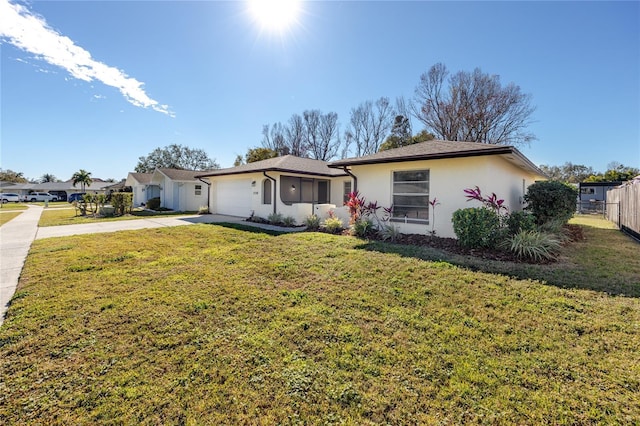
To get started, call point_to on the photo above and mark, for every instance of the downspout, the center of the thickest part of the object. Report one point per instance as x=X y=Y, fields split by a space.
x=355 y=179
x=208 y=193
x=275 y=192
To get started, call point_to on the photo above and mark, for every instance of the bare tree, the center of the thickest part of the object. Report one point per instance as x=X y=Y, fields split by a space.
x=295 y=139
x=369 y=125
x=322 y=134
x=475 y=107
x=274 y=138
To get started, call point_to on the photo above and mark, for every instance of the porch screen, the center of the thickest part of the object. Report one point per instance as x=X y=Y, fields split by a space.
x=303 y=190
x=411 y=195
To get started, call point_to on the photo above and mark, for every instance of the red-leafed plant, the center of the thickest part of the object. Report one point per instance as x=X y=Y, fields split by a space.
x=492 y=201
x=433 y=203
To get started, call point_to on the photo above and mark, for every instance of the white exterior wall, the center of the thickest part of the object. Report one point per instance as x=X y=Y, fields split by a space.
x=448 y=178
x=244 y=183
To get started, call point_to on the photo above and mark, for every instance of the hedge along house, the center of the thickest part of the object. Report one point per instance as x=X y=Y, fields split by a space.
x=408 y=178
x=288 y=185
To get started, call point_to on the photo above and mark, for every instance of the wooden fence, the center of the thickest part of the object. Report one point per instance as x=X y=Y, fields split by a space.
x=627 y=215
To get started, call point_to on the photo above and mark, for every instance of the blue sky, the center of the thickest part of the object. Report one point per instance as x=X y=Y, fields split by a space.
x=206 y=75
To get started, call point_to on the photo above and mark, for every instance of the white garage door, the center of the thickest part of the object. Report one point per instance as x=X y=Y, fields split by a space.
x=234 y=197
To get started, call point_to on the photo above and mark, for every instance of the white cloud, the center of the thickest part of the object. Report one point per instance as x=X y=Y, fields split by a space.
x=26 y=31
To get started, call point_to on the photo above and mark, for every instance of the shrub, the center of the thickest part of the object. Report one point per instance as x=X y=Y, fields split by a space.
x=203 y=210
x=153 y=203
x=122 y=202
x=389 y=232
x=333 y=225
x=520 y=221
x=275 y=218
x=362 y=228
x=551 y=200
x=533 y=245
x=312 y=222
x=476 y=227
x=289 y=221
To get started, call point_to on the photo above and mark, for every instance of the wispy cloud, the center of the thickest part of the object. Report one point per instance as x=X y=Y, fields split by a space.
x=31 y=33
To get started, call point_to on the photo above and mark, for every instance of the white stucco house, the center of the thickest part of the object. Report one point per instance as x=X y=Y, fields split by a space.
x=178 y=190
x=406 y=178
x=289 y=185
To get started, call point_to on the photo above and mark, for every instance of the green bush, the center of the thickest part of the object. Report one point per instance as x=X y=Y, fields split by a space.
x=362 y=227
x=122 y=202
x=476 y=227
x=153 y=203
x=390 y=232
x=520 y=221
x=312 y=222
x=333 y=225
x=533 y=245
x=551 y=200
x=275 y=218
x=289 y=221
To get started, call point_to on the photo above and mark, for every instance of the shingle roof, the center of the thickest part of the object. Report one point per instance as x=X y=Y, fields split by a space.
x=142 y=178
x=437 y=149
x=184 y=175
x=286 y=163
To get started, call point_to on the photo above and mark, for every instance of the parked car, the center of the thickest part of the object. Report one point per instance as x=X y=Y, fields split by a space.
x=40 y=196
x=76 y=196
x=10 y=197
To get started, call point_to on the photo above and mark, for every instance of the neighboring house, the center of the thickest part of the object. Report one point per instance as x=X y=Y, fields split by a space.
x=142 y=188
x=594 y=192
x=407 y=178
x=178 y=190
x=289 y=185
x=60 y=189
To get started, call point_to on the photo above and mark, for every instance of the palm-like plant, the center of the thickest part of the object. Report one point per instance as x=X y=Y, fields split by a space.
x=81 y=177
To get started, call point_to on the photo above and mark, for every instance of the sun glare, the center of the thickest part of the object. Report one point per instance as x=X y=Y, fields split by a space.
x=275 y=15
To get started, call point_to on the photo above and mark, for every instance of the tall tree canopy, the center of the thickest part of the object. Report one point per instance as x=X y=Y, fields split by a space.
x=472 y=106
x=176 y=157
x=575 y=173
x=8 y=175
x=48 y=177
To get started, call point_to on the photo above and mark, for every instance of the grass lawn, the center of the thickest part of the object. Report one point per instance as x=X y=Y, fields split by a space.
x=70 y=216
x=209 y=324
x=12 y=207
x=7 y=216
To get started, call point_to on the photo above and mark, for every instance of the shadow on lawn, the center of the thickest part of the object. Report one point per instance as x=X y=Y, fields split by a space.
x=568 y=273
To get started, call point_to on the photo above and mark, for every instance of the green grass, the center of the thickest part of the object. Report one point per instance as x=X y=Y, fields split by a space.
x=12 y=206
x=71 y=216
x=7 y=216
x=215 y=325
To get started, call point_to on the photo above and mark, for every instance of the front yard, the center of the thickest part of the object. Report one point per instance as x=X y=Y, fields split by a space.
x=208 y=324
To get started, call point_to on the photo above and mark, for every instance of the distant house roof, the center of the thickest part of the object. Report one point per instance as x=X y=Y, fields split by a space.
x=60 y=186
x=286 y=164
x=437 y=149
x=598 y=184
x=179 y=175
x=140 y=178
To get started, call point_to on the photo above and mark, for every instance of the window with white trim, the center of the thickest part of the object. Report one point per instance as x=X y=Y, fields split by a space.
x=411 y=195
x=346 y=191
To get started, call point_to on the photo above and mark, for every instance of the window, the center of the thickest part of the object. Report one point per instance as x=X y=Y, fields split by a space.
x=346 y=191
x=198 y=189
x=266 y=191
x=587 y=190
x=411 y=195
x=304 y=190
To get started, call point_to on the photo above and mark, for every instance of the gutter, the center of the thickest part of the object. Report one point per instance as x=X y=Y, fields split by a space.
x=355 y=178
x=208 y=193
x=275 y=192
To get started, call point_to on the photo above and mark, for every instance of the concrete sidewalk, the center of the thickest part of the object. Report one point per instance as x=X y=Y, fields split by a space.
x=16 y=237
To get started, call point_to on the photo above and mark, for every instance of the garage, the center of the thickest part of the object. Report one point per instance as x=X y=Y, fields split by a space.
x=233 y=197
